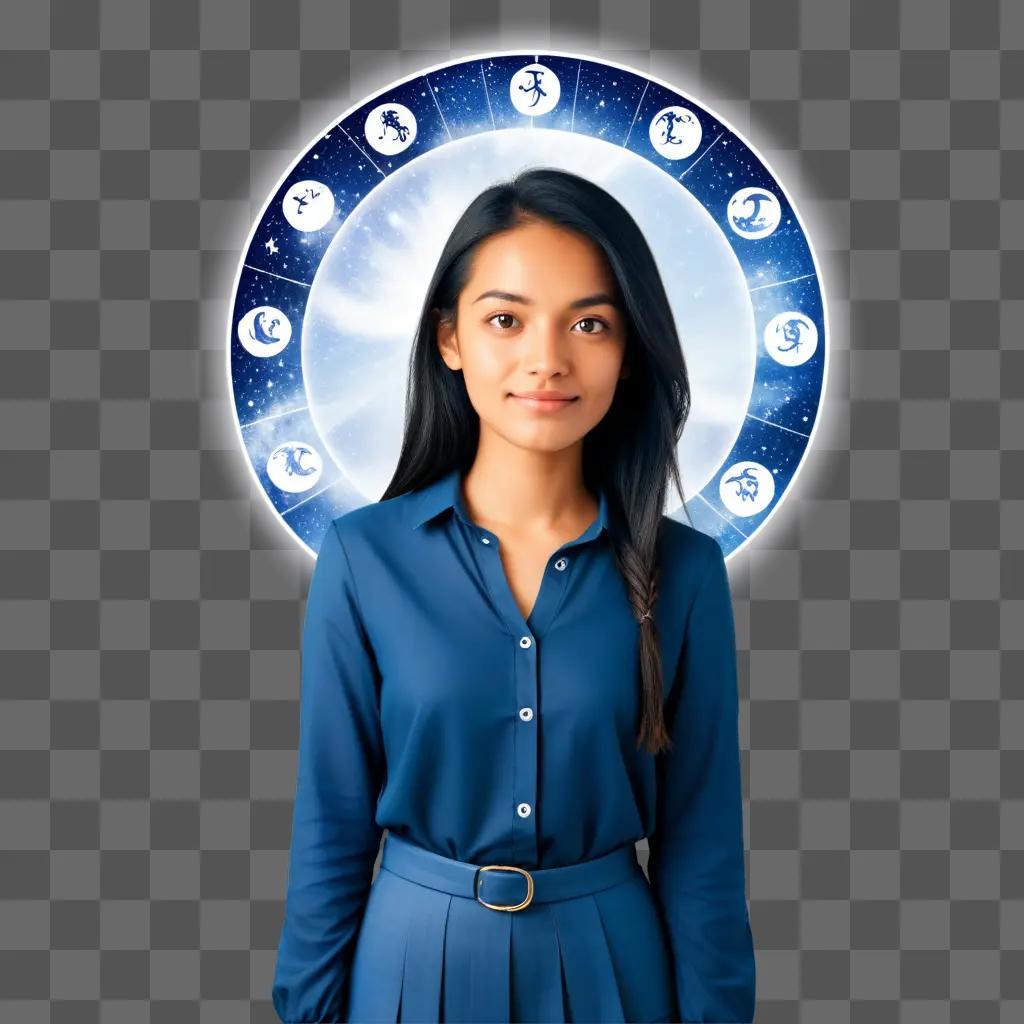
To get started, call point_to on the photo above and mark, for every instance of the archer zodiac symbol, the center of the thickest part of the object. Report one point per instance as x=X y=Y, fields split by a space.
x=534 y=90
x=534 y=86
x=389 y=118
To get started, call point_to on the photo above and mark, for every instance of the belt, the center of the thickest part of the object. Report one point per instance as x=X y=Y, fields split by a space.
x=501 y=881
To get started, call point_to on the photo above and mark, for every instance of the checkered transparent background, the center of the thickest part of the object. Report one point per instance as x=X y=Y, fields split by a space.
x=149 y=626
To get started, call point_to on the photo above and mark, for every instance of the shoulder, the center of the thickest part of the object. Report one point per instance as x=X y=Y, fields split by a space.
x=693 y=563
x=371 y=524
x=687 y=551
x=368 y=521
x=688 y=557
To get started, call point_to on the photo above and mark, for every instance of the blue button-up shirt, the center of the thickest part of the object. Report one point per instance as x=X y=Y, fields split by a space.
x=431 y=707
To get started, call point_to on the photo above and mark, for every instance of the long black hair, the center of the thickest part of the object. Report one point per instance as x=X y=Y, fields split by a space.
x=632 y=451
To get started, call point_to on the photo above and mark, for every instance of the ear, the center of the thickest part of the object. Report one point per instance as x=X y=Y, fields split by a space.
x=447 y=341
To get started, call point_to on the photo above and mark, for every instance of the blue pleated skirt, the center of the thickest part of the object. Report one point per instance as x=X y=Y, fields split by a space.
x=424 y=953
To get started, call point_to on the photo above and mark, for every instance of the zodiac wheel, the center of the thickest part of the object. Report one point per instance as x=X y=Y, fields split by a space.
x=330 y=280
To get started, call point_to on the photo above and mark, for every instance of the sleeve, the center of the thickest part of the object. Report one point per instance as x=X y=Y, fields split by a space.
x=696 y=866
x=341 y=766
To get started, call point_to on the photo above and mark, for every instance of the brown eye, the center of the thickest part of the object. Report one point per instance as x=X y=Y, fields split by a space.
x=506 y=316
x=593 y=320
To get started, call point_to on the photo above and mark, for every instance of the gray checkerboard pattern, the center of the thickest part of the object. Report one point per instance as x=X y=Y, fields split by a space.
x=149 y=632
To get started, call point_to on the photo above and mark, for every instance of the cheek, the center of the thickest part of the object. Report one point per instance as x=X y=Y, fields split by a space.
x=486 y=371
x=600 y=378
x=597 y=403
x=489 y=362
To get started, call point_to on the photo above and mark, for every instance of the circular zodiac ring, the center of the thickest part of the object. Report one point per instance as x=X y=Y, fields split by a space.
x=332 y=277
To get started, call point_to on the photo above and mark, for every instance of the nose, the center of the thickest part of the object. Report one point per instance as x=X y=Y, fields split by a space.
x=546 y=350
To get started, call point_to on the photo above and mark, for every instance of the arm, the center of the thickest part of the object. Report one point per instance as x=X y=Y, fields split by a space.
x=341 y=764
x=696 y=864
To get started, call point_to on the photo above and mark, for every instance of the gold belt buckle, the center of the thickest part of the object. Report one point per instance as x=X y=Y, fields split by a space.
x=503 y=867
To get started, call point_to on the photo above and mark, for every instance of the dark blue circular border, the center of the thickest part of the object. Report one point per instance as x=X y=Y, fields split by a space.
x=470 y=95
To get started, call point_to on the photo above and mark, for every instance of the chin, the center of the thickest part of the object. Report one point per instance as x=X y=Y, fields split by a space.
x=549 y=441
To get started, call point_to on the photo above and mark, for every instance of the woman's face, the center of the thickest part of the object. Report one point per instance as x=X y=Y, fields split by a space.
x=536 y=315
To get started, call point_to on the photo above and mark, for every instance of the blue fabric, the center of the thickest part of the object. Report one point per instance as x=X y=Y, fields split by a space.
x=432 y=708
x=588 y=947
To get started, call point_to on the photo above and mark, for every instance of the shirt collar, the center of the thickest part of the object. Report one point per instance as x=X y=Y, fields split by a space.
x=445 y=493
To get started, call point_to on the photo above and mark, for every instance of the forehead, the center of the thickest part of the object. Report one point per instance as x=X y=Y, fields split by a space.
x=540 y=261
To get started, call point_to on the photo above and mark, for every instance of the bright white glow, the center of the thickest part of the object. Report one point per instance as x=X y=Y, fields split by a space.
x=369 y=289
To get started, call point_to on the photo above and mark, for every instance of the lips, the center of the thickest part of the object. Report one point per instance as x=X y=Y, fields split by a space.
x=546 y=404
x=544 y=396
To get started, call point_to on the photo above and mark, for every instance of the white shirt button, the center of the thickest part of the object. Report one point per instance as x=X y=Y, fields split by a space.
x=526 y=714
x=485 y=540
x=523 y=810
x=525 y=642
x=561 y=564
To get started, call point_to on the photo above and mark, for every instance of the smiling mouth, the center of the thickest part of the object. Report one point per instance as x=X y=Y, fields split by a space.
x=544 y=404
x=545 y=396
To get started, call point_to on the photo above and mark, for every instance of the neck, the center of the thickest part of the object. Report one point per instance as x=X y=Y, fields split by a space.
x=523 y=489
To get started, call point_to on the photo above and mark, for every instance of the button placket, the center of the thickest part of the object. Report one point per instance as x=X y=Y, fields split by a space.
x=523 y=794
x=524 y=782
x=526 y=633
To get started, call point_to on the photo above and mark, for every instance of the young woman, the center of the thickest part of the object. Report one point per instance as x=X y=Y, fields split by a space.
x=518 y=666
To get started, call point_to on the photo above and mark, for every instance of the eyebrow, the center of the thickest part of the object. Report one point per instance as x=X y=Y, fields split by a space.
x=597 y=299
